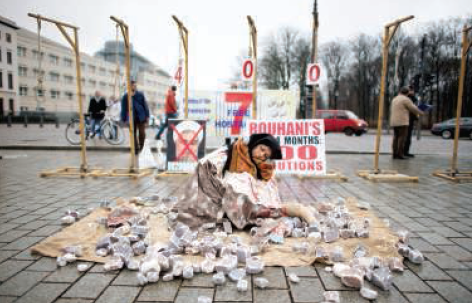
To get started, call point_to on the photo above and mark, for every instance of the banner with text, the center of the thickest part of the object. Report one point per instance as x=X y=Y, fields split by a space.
x=302 y=143
x=227 y=112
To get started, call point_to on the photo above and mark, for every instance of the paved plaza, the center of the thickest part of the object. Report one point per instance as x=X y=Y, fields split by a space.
x=50 y=137
x=438 y=214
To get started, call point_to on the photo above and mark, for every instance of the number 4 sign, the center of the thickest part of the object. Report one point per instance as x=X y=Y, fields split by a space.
x=248 y=70
x=313 y=72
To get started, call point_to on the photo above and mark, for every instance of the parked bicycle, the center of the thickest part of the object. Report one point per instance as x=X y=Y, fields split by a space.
x=110 y=130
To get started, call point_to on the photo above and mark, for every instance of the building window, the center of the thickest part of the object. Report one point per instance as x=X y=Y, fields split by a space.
x=21 y=51
x=53 y=59
x=10 y=81
x=38 y=73
x=2 y=113
x=55 y=94
x=102 y=71
x=8 y=37
x=9 y=57
x=68 y=62
x=1 y=79
x=92 y=69
x=102 y=84
x=92 y=83
x=37 y=56
x=69 y=95
x=68 y=79
x=54 y=76
x=22 y=71
x=23 y=90
x=39 y=92
x=0 y=54
x=12 y=106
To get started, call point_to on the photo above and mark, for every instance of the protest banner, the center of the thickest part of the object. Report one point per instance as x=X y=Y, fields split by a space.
x=302 y=143
x=185 y=144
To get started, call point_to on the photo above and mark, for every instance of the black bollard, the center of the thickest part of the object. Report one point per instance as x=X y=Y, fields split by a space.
x=9 y=120
x=57 y=122
x=25 y=120
x=41 y=120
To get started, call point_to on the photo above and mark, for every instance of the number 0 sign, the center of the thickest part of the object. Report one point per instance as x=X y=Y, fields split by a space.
x=248 y=70
x=313 y=72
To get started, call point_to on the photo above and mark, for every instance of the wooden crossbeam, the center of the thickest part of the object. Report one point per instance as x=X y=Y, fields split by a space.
x=386 y=176
x=458 y=177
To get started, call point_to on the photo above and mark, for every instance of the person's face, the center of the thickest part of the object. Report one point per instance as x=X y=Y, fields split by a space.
x=133 y=86
x=411 y=92
x=261 y=152
x=97 y=94
x=179 y=146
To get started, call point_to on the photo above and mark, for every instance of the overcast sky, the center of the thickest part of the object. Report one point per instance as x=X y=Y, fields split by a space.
x=218 y=28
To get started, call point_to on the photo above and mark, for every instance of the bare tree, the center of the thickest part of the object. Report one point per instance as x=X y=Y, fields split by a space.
x=334 y=57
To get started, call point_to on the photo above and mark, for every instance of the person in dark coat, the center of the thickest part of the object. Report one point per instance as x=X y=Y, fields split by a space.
x=411 y=126
x=140 y=116
x=96 y=110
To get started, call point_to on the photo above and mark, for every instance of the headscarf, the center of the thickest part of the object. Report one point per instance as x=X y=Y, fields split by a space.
x=240 y=157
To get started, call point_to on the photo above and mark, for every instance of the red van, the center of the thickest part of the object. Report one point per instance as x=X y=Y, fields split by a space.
x=342 y=121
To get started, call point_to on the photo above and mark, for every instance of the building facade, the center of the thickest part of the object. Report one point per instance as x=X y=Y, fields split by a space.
x=152 y=80
x=8 y=67
x=46 y=80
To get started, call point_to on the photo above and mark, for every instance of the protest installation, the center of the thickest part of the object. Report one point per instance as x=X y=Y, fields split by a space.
x=229 y=220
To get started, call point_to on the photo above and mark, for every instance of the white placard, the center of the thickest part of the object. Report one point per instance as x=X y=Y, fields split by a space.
x=302 y=143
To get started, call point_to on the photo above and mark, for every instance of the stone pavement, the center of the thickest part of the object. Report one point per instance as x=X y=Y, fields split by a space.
x=50 y=136
x=438 y=213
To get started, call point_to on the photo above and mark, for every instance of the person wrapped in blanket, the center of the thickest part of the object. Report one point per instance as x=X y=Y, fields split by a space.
x=237 y=182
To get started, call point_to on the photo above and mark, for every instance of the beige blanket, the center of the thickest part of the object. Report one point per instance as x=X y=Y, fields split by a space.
x=87 y=231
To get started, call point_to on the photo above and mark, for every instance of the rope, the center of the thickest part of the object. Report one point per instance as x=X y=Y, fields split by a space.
x=117 y=70
x=39 y=86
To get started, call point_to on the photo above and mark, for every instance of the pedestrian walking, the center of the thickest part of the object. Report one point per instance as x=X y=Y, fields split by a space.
x=96 y=110
x=140 y=115
x=170 y=108
x=400 y=109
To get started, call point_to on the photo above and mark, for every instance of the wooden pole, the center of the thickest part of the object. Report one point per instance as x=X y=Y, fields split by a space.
x=83 y=151
x=125 y=32
x=381 y=97
x=183 y=31
x=186 y=73
x=465 y=47
x=74 y=44
x=314 y=53
x=253 y=54
x=385 y=46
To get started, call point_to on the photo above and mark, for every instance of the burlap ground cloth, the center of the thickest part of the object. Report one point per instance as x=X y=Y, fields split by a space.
x=87 y=231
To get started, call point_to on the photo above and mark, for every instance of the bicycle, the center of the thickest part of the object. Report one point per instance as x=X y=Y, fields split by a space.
x=110 y=130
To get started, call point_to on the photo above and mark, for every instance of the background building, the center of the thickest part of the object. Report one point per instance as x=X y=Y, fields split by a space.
x=21 y=65
x=152 y=80
x=8 y=67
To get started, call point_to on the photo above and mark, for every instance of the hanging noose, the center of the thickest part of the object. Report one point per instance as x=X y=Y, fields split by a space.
x=39 y=78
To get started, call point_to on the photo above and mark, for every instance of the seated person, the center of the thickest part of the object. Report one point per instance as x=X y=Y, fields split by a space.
x=237 y=182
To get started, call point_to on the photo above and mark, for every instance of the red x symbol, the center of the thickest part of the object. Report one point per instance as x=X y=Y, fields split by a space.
x=187 y=145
